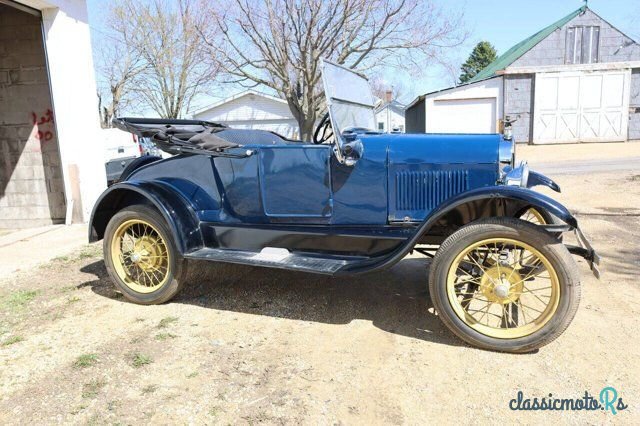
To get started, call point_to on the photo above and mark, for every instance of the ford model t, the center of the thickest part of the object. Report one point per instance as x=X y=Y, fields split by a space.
x=353 y=201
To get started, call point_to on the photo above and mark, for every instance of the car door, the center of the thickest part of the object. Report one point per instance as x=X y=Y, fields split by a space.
x=295 y=183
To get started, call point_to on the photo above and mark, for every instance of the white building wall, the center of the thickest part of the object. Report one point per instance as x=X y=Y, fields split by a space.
x=253 y=111
x=73 y=87
x=73 y=90
x=472 y=108
x=390 y=119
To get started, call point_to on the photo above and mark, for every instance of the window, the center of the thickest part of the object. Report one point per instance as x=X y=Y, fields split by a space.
x=380 y=125
x=582 y=45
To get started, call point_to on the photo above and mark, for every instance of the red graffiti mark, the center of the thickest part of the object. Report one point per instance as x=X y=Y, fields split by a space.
x=46 y=120
x=47 y=117
x=44 y=136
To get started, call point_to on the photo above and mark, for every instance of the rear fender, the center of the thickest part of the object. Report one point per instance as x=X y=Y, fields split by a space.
x=178 y=213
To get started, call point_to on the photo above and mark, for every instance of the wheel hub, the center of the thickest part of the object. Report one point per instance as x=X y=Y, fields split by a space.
x=147 y=253
x=501 y=284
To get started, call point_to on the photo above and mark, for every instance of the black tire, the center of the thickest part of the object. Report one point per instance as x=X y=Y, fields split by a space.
x=176 y=264
x=515 y=229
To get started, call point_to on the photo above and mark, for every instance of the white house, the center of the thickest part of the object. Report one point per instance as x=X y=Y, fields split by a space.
x=51 y=163
x=576 y=80
x=252 y=110
x=390 y=116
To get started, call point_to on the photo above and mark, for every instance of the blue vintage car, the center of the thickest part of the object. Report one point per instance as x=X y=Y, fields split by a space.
x=353 y=201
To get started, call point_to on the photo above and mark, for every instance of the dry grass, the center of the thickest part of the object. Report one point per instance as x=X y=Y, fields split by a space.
x=86 y=360
x=139 y=360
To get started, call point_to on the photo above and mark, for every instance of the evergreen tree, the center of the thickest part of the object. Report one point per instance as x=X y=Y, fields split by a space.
x=482 y=55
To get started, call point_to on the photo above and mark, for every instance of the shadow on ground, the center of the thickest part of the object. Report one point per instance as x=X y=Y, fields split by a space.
x=396 y=301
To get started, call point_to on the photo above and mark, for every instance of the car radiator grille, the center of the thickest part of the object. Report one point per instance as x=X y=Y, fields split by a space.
x=425 y=190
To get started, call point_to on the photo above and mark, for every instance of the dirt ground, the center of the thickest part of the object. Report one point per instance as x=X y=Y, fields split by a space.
x=249 y=345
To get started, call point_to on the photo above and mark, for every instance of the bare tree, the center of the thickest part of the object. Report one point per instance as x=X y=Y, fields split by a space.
x=170 y=62
x=385 y=90
x=118 y=68
x=278 y=43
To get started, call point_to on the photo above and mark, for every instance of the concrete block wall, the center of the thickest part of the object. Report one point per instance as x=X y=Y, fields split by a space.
x=518 y=101
x=31 y=183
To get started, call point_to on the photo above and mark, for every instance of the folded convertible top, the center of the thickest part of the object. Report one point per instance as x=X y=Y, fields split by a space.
x=178 y=136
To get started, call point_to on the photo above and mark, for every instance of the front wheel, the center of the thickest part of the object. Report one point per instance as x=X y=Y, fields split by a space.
x=504 y=284
x=141 y=256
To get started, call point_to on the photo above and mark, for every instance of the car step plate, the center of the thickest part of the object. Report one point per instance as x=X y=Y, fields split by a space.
x=274 y=259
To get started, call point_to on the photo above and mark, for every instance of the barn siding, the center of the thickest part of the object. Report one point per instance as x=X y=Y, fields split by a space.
x=634 y=106
x=415 y=117
x=614 y=47
x=518 y=101
x=551 y=50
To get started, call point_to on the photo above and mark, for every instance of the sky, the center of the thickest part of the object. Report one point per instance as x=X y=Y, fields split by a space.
x=503 y=23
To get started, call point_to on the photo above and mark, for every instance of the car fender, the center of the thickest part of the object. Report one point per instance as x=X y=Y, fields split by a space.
x=178 y=212
x=500 y=193
x=487 y=195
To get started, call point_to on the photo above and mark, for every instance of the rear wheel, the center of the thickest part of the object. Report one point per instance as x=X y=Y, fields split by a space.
x=504 y=284
x=141 y=256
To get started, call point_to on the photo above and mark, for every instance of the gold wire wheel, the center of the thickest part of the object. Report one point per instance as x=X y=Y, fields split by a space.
x=140 y=256
x=534 y=216
x=503 y=288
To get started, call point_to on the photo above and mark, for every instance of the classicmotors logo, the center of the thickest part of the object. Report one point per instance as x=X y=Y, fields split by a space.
x=607 y=400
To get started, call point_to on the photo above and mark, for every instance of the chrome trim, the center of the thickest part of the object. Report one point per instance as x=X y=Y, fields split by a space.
x=506 y=157
x=518 y=176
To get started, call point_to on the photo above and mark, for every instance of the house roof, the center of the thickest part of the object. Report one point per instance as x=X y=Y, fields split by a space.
x=238 y=96
x=392 y=104
x=421 y=97
x=511 y=55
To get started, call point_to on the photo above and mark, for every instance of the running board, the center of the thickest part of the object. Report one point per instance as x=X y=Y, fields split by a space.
x=276 y=258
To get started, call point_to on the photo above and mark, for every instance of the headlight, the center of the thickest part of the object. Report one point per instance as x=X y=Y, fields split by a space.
x=506 y=156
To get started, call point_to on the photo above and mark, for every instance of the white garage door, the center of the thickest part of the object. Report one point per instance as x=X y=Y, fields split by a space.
x=581 y=107
x=463 y=116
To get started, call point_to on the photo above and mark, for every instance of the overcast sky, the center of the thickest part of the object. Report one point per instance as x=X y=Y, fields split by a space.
x=503 y=23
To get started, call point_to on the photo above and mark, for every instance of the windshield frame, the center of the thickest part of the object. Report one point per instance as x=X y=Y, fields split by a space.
x=358 y=104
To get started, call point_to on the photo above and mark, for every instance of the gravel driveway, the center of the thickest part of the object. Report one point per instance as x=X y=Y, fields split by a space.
x=251 y=345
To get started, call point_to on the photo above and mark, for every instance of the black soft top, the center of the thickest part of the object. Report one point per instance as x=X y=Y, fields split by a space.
x=195 y=136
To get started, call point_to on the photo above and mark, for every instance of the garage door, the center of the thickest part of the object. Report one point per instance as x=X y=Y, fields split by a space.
x=581 y=107
x=463 y=116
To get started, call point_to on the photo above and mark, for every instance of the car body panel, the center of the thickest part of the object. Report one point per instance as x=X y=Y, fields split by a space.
x=295 y=182
x=300 y=199
x=425 y=172
x=114 y=168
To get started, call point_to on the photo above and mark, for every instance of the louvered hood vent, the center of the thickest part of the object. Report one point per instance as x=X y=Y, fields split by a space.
x=417 y=192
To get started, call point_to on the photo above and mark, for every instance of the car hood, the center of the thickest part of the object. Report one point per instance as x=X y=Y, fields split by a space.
x=438 y=148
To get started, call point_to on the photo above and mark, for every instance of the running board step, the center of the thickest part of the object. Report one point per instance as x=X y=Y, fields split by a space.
x=279 y=258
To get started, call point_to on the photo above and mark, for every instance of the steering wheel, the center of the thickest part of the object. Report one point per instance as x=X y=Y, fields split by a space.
x=325 y=128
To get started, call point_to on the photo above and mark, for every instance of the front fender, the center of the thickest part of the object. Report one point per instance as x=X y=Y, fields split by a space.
x=469 y=206
x=177 y=211
x=501 y=194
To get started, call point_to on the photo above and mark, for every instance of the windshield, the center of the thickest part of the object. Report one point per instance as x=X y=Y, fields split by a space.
x=349 y=98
